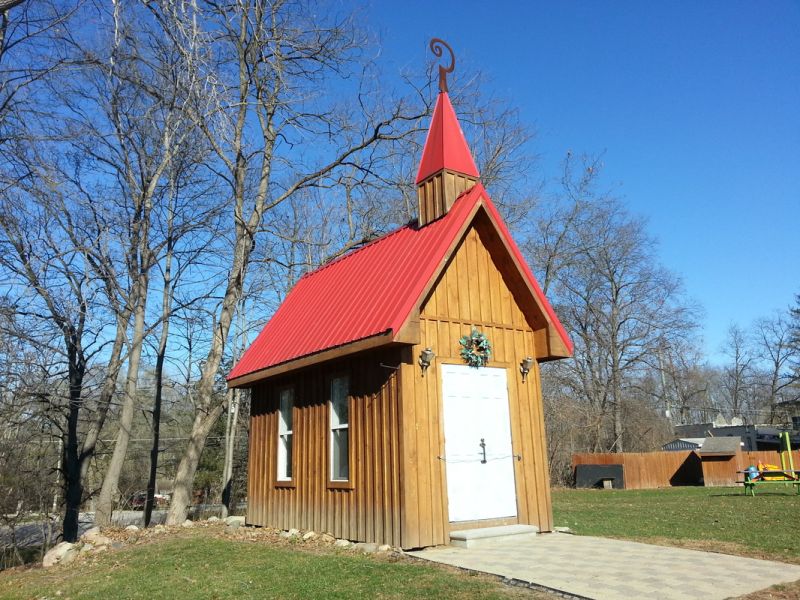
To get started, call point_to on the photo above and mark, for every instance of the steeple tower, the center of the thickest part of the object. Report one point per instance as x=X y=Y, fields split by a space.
x=447 y=167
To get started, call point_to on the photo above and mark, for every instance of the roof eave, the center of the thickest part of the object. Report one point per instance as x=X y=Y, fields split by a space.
x=374 y=341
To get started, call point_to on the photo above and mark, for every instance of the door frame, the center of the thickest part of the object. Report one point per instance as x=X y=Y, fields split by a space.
x=512 y=414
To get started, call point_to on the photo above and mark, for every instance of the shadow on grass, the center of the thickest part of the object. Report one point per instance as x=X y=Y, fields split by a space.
x=758 y=494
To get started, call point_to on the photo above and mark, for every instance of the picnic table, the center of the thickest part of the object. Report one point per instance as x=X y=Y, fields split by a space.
x=753 y=478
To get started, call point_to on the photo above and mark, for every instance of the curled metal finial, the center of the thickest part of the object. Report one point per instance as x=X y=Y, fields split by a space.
x=436 y=48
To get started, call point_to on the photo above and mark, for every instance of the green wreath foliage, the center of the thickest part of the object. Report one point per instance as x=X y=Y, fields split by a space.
x=476 y=350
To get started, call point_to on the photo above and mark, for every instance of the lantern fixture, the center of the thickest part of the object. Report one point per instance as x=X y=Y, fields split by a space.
x=525 y=367
x=425 y=359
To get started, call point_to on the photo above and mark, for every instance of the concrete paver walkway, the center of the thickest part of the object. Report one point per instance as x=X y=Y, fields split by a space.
x=605 y=569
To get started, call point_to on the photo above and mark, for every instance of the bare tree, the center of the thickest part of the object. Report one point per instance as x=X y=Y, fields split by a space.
x=737 y=373
x=124 y=138
x=685 y=383
x=265 y=64
x=619 y=304
x=57 y=295
x=776 y=379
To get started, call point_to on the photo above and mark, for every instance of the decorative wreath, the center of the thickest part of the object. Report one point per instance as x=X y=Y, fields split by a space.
x=476 y=350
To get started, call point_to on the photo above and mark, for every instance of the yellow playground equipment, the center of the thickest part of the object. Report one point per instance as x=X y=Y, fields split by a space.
x=765 y=473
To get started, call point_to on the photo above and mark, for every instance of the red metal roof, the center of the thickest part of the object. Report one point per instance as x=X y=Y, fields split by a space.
x=445 y=146
x=372 y=290
x=364 y=293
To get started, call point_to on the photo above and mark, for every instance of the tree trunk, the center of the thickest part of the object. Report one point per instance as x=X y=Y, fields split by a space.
x=105 y=502
x=73 y=491
x=156 y=429
x=166 y=308
x=230 y=445
x=184 y=478
x=618 y=429
x=106 y=394
x=73 y=488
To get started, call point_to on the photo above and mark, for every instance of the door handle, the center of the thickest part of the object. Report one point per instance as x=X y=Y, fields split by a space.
x=483 y=449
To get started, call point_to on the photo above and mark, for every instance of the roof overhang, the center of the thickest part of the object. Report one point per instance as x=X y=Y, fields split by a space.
x=374 y=341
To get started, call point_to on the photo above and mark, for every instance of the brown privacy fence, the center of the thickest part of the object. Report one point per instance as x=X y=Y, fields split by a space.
x=647 y=470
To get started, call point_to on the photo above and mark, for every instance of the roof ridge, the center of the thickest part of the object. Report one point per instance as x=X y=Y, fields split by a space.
x=353 y=251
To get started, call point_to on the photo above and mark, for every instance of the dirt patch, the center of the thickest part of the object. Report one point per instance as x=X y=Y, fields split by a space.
x=786 y=591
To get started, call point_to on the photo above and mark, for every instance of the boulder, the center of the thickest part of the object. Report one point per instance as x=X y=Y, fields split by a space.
x=60 y=553
x=327 y=538
x=131 y=528
x=232 y=520
x=383 y=548
x=94 y=537
x=367 y=547
x=342 y=544
x=294 y=532
x=187 y=523
x=213 y=519
x=69 y=556
x=309 y=535
x=87 y=547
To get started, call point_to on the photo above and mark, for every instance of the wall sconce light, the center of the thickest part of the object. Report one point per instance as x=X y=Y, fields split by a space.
x=525 y=367
x=425 y=359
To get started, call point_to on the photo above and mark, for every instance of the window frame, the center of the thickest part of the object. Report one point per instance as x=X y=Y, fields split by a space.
x=280 y=479
x=339 y=483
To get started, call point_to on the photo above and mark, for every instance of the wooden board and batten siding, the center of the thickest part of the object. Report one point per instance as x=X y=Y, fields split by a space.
x=366 y=509
x=471 y=292
x=398 y=487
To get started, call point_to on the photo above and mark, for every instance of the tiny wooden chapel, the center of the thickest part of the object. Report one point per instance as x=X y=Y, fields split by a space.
x=396 y=395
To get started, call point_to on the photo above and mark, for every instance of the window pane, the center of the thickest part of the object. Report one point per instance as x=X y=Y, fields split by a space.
x=286 y=441
x=340 y=466
x=339 y=393
x=285 y=407
x=287 y=401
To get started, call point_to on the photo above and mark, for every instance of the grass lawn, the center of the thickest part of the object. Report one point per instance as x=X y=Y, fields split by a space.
x=204 y=562
x=199 y=564
x=719 y=519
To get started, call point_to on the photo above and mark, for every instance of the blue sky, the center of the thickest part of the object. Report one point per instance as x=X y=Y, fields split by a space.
x=694 y=105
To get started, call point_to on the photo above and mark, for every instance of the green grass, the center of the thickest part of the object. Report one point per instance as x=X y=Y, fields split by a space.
x=197 y=565
x=204 y=563
x=721 y=519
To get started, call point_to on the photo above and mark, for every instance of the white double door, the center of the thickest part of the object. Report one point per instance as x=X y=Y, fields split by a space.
x=478 y=450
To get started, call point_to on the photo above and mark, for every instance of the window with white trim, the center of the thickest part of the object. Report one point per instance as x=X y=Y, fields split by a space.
x=285 y=430
x=339 y=424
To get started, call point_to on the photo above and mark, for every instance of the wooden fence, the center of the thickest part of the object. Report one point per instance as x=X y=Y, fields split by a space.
x=647 y=470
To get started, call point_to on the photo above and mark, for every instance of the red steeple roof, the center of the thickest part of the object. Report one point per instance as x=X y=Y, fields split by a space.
x=445 y=147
